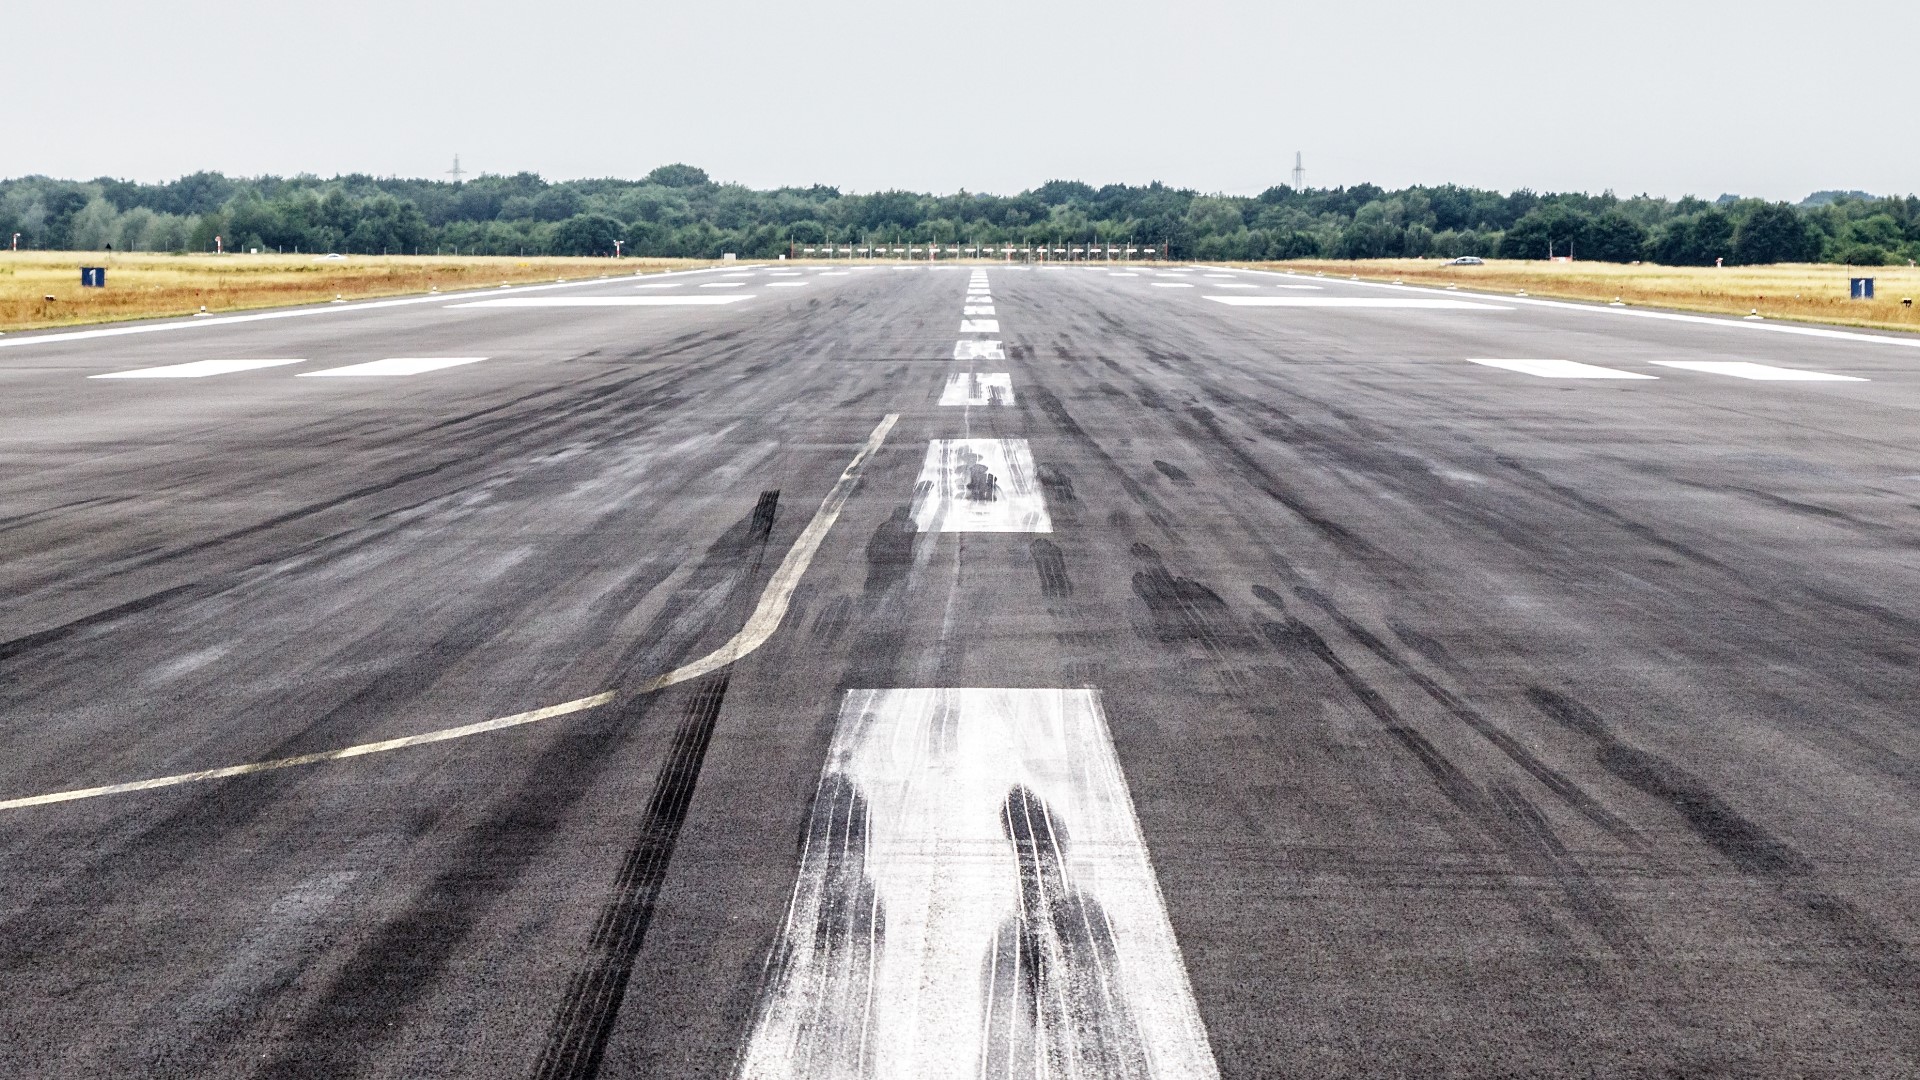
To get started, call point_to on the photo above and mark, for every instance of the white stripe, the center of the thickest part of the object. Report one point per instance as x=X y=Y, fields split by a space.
x=979 y=326
x=760 y=626
x=1561 y=369
x=198 y=369
x=979 y=485
x=978 y=309
x=975 y=899
x=1351 y=302
x=978 y=350
x=291 y=313
x=393 y=366
x=978 y=388
x=1742 y=369
x=1176 y=285
x=696 y=300
x=1728 y=322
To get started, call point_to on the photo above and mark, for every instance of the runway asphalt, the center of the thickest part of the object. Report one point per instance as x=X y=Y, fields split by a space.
x=972 y=671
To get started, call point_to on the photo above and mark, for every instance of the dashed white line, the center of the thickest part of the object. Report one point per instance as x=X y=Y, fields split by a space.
x=975 y=899
x=979 y=326
x=978 y=388
x=979 y=485
x=978 y=350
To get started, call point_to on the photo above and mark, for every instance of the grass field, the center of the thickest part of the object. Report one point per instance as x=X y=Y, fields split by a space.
x=1808 y=292
x=143 y=286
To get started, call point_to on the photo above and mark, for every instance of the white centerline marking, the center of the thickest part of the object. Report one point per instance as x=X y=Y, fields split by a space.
x=978 y=350
x=978 y=388
x=1561 y=369
x=1172 y=285
x=975 y=899
x=766 y=618
x=978 y=309
x=1352 y=302
x=393 y=366
x=608 y=301
x=1743 y=369
x=724 y=285
x=979 y=326
x=198 y=369
x=979 y=485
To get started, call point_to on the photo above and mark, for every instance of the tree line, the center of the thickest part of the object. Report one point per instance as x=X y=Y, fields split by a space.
x=678 y=210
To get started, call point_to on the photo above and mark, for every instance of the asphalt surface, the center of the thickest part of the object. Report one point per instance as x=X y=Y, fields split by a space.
x=1476 y=723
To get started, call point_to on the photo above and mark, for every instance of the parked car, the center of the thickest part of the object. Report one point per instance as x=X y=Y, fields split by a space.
x=1467 y=260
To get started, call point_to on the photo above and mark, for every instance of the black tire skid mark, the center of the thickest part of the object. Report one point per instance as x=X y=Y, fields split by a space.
x=1880 y=972
x=1521 y=833
x=360 y=1010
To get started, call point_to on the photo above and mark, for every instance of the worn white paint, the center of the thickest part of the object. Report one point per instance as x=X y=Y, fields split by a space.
x=1744 y=369
x=978 y=350
x=978 y=388
x=1561 y=369
x=1353 y=302
x=669 y=300
x=975 y=900
x=979 y=485
x=393 y=366
x=198 y=369
x=979 y=326
x=761 y=624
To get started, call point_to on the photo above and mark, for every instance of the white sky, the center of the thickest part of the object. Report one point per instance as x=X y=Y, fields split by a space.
x=1757 y=98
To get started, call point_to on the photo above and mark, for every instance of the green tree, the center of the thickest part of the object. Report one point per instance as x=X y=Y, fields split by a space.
x=587 y=234
x=1772 y=233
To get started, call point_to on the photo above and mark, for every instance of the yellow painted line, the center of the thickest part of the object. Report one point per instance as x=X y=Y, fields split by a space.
x=766 y=618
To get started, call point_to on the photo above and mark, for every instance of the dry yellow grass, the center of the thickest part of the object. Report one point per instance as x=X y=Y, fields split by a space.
x=1808 y=292
x=141 y=286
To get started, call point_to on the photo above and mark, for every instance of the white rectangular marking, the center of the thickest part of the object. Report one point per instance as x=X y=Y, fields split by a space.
x=977 y=309
x=724 y=285
x=979 y=326
x=198 y=369
x=975 y=899
x=786 y=284
x=1352 y=302
x=1172 y=285
x=978 y=350
x=979 y=485
x=1561 y=369
x=397 y=365
x=1232 y=285
x=978 y=388
x=1743 y=369
x=608 y=301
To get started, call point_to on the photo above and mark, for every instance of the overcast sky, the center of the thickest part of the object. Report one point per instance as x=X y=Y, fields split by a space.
x=1756 y=98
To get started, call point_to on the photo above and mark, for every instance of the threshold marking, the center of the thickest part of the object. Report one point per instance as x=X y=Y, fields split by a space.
x=198 y=369
x=1739 y=369
x=392 y=366
x=978 y=388
x=760 y=626
x=1353 y=302
x=975 y=899
x=979 y=326
x=979 y=485
x=681 y=300
x=978 y=350
x=1561 y=369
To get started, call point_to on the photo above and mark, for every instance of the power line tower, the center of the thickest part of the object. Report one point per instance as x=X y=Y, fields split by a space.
x=1299 y=172
x=457 y=172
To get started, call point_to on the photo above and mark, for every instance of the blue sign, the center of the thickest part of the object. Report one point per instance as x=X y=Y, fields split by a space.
x=93 y=277
x=1862 y=288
